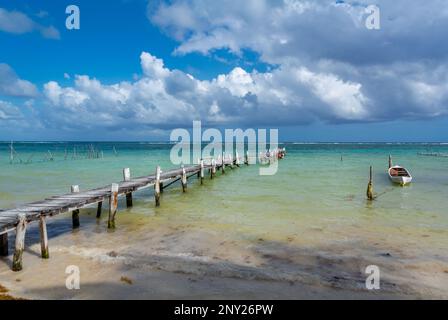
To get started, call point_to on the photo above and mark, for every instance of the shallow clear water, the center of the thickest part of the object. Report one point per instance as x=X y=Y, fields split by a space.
x=315 y=201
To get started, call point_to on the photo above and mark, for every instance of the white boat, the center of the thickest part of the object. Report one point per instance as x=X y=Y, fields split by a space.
x=399 y=175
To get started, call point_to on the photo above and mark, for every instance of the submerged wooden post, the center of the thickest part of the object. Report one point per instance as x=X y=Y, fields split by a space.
x=390 y=161
x=201 y=172
x=213 y=169
x=20 y=243
x=127 y=177
x=4 y=245
x=99 y=209
x=370 y=186
x=223 y=170
x=75 y=213
x=113 y=205
x=45 y=254
x=157 y=187
x=184 y=180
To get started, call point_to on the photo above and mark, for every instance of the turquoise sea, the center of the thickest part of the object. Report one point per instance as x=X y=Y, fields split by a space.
x=316 y=202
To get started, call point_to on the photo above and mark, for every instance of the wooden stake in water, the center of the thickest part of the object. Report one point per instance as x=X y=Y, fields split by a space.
x=75 y=213
x=390 y=161
x=370 y=186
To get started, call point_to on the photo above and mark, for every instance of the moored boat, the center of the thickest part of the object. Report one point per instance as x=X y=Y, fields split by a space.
x=400 y=175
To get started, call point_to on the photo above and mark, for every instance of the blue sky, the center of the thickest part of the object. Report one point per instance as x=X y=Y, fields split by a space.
x=136 y=69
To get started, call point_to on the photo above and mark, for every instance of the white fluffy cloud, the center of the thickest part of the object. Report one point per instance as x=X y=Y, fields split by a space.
x=12 y=85
x=9 y=112
x=19 y=23
x=167 y=98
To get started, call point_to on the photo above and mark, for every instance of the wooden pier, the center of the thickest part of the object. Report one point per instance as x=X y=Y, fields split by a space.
x=18 y=219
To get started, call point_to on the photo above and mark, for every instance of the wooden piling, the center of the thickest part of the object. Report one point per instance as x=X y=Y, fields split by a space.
x=213 y=169
x=4 y=245
x=201 y=172
x=184 y=180
x=390 y=161
x=20 y=243
x=45 y=253
x=370 y=186
x=157 y=187
x=223 y=170
x=127 y=177
x=113 y=205
x=75 y=213
x=99 y=209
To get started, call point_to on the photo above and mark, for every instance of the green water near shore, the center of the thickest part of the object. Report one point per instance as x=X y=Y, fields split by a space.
x=315 y=201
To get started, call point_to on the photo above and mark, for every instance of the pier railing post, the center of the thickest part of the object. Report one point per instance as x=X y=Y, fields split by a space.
x=45 y=253
x=127 y=177
x=20 y=243
x=157 y=187
x=113 y=205
x=75 y=213
x=184 y=180
x=4 y=245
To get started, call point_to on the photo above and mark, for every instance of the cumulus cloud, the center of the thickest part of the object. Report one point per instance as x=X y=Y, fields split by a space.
x=19 y=23
x=9 y=112
x=166 y=98
x=12 y=85
x=328 y=64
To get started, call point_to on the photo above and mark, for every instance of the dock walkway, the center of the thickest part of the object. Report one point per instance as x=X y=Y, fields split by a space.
x=17 y=219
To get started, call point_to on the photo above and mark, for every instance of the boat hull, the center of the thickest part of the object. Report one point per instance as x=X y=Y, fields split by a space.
x=400 y=179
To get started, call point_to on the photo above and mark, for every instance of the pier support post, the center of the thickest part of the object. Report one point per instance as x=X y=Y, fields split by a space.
x=113 y=205
x=370 y=186
x=45 y=253
x=4 y=245
x=201 y=172
x=213 y=169
x=184 y=180
x=223 y=170
x=127 y=177
x=75 y=213
x=157 y=187
x=20 y=244
x=99 y=209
